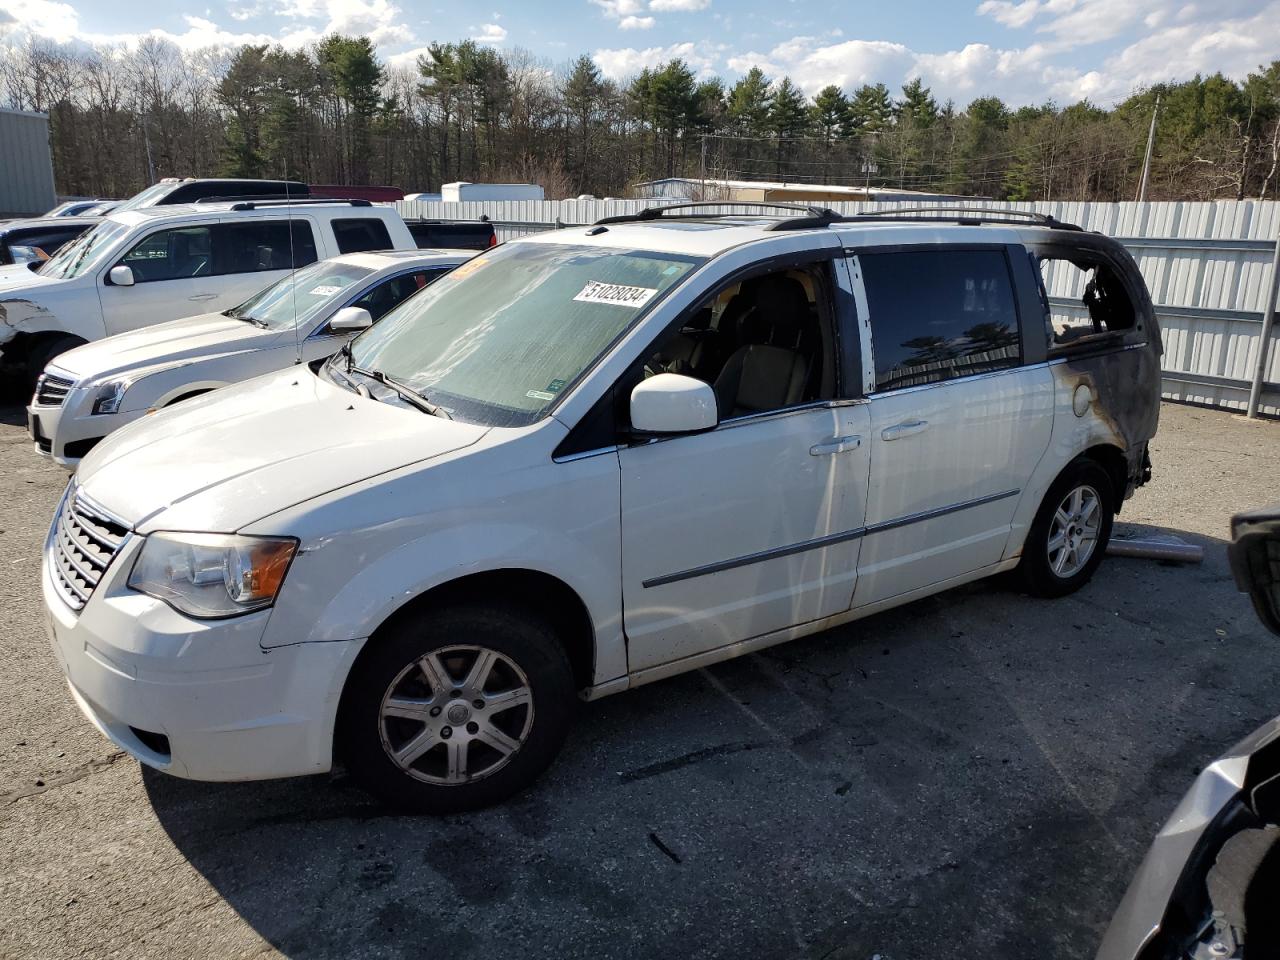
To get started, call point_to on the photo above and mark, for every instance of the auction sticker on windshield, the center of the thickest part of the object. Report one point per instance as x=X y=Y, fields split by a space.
x=615 y=294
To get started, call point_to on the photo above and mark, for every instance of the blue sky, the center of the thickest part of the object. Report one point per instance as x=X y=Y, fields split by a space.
x=1022 y=50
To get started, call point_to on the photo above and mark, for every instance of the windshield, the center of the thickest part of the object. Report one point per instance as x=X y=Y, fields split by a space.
x=302 y=294
x=144 y=197
x=84 y=252
x=499 y=338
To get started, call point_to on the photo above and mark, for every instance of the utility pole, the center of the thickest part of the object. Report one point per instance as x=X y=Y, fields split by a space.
x=1146 y=162
x=703 y=195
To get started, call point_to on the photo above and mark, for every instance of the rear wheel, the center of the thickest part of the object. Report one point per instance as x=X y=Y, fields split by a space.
x=457 y=709
x=1069 y=536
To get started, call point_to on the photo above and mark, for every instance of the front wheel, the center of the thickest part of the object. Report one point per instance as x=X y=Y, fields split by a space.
x=1069 y=535
x=457 y=709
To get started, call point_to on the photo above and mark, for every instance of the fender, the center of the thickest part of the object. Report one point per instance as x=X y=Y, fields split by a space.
x=370 y=548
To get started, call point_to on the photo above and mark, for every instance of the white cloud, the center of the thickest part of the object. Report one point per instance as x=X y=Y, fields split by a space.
x=628 y=61
x=43 y=18
x=678 y=6
x=490 y=33
x=1233 y=37
x=617 y=9
x=636 y=23
x=1010 y=14
x=813 y=65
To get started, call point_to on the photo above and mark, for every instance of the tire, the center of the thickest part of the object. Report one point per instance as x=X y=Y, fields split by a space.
x=1049 y=572
x=430 y=727
x=40 y=355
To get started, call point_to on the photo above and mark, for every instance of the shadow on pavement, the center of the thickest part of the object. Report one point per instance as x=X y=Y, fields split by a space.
x=975 y=768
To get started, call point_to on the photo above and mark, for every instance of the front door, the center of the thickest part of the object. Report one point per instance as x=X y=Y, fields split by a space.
x=173 y=273
x=752 y=527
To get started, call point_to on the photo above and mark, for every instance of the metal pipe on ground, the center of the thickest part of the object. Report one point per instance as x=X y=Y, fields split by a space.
x=1149 y=549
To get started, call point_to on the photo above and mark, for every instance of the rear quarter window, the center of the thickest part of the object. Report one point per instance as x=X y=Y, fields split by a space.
x=361 y=233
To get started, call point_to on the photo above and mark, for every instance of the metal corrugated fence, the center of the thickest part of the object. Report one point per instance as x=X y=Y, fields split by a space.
x=26 y=183
x=1208 y=266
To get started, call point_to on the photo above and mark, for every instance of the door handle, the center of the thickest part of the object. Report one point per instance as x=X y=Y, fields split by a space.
x=835 y=445
x=203 y=296
x=906 y=429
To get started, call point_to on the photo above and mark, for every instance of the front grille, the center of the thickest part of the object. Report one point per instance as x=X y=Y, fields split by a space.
x=51 y=390
x=84 y=544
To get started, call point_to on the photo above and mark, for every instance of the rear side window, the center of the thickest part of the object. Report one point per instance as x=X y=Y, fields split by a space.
x=251 y=246
x=364 y=233
x=939 y=314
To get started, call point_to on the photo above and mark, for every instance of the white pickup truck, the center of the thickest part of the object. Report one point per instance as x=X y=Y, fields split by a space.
x=145 y=266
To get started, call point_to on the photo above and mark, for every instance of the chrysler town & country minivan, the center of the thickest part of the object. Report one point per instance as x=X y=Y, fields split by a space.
x=589 y=459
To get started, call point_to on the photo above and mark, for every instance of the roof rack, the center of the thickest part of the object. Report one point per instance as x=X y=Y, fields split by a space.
x=657 y=213
x=256 y=203
x=276 y=200
x=968 y=216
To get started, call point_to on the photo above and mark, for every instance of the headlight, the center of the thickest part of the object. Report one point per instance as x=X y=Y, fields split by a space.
x=211 y=574
x=109 y=397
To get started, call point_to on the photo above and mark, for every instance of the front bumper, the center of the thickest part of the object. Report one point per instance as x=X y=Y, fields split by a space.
x=197 y=699
x=65 y=436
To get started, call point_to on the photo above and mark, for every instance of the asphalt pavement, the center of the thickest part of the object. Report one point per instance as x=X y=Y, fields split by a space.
x=974 y=775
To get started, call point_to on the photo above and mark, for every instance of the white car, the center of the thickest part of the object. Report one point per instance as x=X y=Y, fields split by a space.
x=94 y=389
x=589 y=459
x=147 y=265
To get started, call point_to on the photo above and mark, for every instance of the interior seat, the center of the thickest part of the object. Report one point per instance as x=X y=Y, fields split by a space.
x=770 y=368
x=684 y=352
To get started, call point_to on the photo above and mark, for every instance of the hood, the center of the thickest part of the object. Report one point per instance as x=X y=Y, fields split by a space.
x=17 y=279
x=190 y=338
x=238 y=454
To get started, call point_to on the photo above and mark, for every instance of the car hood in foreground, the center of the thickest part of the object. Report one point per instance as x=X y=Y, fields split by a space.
x=191 y=338
x=224 y=460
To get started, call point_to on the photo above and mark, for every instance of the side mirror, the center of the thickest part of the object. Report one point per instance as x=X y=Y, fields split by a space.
x=671 y=403
x=350 y=318
x=121 y=276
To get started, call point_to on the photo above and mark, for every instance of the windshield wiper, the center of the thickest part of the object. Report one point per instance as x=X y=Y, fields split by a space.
x=405 y=392
x=248 y=319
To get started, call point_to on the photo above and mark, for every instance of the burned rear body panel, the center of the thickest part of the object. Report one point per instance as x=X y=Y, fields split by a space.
x=1103 y=346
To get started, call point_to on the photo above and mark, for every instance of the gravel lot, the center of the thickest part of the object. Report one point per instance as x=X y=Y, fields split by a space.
x=975 y=774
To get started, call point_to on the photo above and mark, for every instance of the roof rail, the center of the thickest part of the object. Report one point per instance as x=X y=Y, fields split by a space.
x=963 y=215
x=233 y=198
x=256 y=203
x=657 y=213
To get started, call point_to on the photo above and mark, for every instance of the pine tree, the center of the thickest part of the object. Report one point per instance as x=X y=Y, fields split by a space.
x=788 y=119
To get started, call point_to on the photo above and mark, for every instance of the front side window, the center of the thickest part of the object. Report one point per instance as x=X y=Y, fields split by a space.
x=253 y=246
x=177 y=254
x=939 y=314
x=363 y=233
x=85 y=252
x=763 y=343
x=497 y=340
x=391 y=293
x=297 y=298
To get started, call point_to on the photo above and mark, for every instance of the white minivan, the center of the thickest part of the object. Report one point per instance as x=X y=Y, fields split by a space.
x=143 y=266
x=589 y=459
